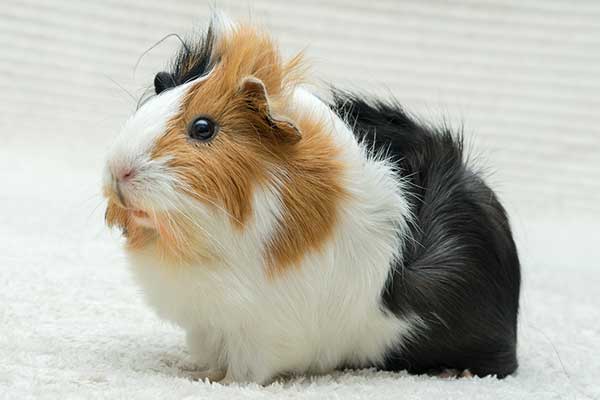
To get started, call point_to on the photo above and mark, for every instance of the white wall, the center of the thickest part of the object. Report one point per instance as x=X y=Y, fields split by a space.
x=523 y=76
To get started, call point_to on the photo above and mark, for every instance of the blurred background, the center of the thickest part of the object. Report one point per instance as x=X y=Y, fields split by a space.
x=521 y=76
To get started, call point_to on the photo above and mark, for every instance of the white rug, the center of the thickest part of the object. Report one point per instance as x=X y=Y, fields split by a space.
x=72 y=324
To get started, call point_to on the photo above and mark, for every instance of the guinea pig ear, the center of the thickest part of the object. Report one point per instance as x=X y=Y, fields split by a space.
x=255 y=93
x=163 y=81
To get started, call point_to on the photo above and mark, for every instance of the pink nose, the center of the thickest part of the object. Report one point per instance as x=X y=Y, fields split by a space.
x=125 y=174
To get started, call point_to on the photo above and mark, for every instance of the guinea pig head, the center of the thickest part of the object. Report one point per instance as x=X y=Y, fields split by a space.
x=205 y=139
x=189 y=160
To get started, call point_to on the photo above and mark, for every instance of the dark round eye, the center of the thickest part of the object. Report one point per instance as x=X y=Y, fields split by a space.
x=202 y=128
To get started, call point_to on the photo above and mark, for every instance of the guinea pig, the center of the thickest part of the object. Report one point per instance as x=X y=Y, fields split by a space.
x=292 y=233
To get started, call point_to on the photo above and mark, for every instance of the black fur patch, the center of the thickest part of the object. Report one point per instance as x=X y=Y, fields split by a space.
x=194 y=59
x=460 y=271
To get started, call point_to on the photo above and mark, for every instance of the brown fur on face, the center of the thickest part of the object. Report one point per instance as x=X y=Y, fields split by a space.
x=247 y=94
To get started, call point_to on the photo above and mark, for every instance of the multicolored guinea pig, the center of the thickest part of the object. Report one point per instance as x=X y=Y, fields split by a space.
x=288 y=234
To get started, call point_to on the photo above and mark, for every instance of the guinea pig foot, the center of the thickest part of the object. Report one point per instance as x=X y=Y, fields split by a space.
x=449 y=373
x=211 y=375
x=227 y=379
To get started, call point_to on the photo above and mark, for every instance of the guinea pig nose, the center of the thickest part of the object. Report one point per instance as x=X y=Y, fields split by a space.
x=126 y=174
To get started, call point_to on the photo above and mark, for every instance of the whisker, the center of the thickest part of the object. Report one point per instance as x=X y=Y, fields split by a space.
x=203 y=198
x=121 y=87
x=199 y=226
x=181 y=211
x=149 y=49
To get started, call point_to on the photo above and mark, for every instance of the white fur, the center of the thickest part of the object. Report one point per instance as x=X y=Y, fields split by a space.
x=221 y=24
x=324 y=314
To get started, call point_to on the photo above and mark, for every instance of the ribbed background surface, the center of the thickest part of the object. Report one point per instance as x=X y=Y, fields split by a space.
x=522 y=76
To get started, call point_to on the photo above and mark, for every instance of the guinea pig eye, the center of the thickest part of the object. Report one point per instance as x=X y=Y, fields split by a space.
x=202 y=128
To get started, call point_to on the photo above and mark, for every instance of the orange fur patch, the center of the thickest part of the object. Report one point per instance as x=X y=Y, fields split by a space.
x=310 y=195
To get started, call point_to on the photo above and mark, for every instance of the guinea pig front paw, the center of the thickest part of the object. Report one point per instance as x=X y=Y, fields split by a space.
x=231 y=378
x=243 y=375
x=454 y=374
x=211 y=375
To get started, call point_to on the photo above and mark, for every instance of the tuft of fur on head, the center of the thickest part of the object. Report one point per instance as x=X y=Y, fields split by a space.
x=245 y=49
